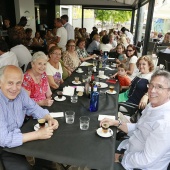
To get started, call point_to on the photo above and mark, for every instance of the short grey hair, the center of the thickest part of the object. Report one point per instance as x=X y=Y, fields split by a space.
x=39 y=55
x=162 y=73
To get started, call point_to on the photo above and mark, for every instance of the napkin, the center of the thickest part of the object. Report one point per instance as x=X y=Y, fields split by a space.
x=80 y=88
x=57 y=114
x=113 y=81
x=86 y=64
x=100 y=117
x=109 y=68
x=103 y=76
x=69 y=91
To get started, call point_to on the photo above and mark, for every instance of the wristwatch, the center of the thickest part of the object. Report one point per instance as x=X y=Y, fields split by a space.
x=120 y=158
x=120 y=123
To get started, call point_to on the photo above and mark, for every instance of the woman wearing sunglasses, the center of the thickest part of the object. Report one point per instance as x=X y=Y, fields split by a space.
x=131 y=54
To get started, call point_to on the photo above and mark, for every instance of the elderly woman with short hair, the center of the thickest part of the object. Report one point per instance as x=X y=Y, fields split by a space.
x=54 y=68
x=35 y=80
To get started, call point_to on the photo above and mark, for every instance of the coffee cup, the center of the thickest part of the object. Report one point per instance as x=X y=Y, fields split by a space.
x=111 y=88
x=105 y=127
x=76 y=79
x=60 y=94
x=79 y=70
x=41 y=123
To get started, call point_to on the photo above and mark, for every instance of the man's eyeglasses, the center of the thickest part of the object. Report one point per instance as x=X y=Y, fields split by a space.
x=157 y=87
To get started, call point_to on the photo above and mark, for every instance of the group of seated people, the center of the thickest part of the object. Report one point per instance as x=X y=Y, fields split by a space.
x=48 y=72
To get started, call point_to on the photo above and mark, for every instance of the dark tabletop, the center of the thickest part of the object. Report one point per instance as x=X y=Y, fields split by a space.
x=70 y=145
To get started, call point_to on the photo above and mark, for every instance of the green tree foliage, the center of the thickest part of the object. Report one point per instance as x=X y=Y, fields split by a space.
x=113 y=15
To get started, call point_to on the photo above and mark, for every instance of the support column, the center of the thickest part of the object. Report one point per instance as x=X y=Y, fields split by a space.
x=132 y=21
x=140 y=24
x=148 y=25
x=137 y=24
x=82 y=17
x=51 y=13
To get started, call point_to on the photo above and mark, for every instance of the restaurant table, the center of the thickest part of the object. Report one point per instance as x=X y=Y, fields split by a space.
x=69 y=145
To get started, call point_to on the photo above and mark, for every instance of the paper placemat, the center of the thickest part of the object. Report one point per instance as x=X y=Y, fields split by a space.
x=57 y=114
x=68 y=91
x=101 y=117
x=86 y=64
x=80 y=88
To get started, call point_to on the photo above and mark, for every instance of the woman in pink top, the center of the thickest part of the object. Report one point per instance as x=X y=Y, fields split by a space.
x=35 y=80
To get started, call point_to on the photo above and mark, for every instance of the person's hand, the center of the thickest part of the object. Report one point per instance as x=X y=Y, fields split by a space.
x=117 y=157
x=111 y=122
x=45 y=133
x=113 y=76
x=53 y=123
x=48 y=102
x=143 y=102
x=93 y=56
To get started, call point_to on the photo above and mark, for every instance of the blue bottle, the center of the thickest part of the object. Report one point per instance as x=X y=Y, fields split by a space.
x=94 y=100
x=104 y=58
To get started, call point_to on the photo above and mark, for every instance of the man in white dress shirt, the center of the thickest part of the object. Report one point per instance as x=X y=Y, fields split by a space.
x=7 y=57
x=68 y=27
x=148 y=147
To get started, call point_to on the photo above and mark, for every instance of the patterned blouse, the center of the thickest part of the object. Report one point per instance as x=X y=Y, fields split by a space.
x=82 y=52
x=38 y=91
x=72 y=62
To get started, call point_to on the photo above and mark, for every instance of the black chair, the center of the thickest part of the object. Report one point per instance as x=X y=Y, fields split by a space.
x=152 y=46
x=167 y=65
x=163 y=57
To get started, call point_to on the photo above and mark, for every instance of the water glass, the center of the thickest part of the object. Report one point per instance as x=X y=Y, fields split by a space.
x=84 y=122
x=69 y=116
x=90 y=69
x=84 y=78
x=74 y=98
x=94 y=63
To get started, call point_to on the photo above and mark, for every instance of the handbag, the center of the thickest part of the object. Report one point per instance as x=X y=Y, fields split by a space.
x=136 y=116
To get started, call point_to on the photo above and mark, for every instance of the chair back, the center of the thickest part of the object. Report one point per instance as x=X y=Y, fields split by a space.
x=152 y=46
x=167 y=65
x=163 y=57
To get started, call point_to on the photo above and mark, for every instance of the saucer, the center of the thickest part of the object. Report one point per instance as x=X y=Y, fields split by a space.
x=101 y=85
x=79 y=71
x=79 y=82
x=104 y=135
x=36 y=127
x=62 y=99
x=108 y=91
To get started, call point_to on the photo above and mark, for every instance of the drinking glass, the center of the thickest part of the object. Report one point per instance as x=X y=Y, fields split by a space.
x=69 y=116
x=74 y=98
x=84 y=122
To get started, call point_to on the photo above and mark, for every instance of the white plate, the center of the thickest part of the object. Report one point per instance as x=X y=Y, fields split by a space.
x=36 y=127
x=104 y=135
x=114 y=66
x=79 y=82
x=62 y=99
x=79 y=71
x=103 y=85
x=108 y=91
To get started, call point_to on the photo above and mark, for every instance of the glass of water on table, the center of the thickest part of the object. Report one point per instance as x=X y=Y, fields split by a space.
x=69 y=116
